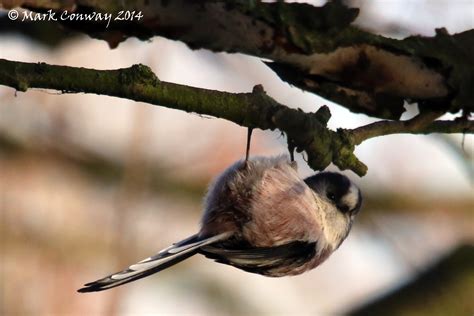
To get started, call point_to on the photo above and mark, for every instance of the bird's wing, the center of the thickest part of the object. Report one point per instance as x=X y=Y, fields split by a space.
x=261 y=259
x=164 y=259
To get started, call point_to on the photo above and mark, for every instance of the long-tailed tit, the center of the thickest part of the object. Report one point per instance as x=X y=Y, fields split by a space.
x=261 y=217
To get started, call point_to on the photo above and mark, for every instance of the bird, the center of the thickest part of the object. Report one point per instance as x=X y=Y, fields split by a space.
x=261 y=217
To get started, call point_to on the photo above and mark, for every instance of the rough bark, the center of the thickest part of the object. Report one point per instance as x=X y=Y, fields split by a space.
x=315 y=48
x=307 y=131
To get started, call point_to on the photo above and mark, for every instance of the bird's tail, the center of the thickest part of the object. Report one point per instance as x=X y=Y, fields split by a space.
x=164 y=259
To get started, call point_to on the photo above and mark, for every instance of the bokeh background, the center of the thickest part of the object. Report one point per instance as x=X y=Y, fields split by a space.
x=90 y=184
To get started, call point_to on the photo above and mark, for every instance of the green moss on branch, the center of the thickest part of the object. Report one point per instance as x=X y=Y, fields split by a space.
x=308 y=131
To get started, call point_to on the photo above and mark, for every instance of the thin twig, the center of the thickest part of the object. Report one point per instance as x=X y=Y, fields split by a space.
x=256 y=109
x=383 y=128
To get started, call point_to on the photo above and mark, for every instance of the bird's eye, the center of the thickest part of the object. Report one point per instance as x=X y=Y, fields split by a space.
x=331 y=196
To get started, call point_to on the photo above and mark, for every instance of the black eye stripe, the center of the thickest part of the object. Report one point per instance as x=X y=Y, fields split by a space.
x=333 y=187
x=344 y=209
x=331 y=196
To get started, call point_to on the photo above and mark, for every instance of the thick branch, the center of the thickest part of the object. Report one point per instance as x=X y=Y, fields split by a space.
x=315 y=48
x=139 y=83
x=307 y=131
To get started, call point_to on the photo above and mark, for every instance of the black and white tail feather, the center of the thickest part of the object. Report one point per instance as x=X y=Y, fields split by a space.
x=283 y=236
x=162 y=260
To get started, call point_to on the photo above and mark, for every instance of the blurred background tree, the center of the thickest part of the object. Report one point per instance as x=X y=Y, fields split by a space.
x=89 y=183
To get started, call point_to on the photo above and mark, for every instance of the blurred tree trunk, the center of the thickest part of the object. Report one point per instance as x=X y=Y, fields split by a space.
x=447 y=288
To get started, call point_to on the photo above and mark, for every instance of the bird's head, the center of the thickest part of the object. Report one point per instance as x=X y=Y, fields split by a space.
x=337 y=189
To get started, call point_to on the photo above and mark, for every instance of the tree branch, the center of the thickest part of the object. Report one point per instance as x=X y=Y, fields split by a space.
x=418 y=125
x=308 y=131
x=317 y=49
x=139 y=83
